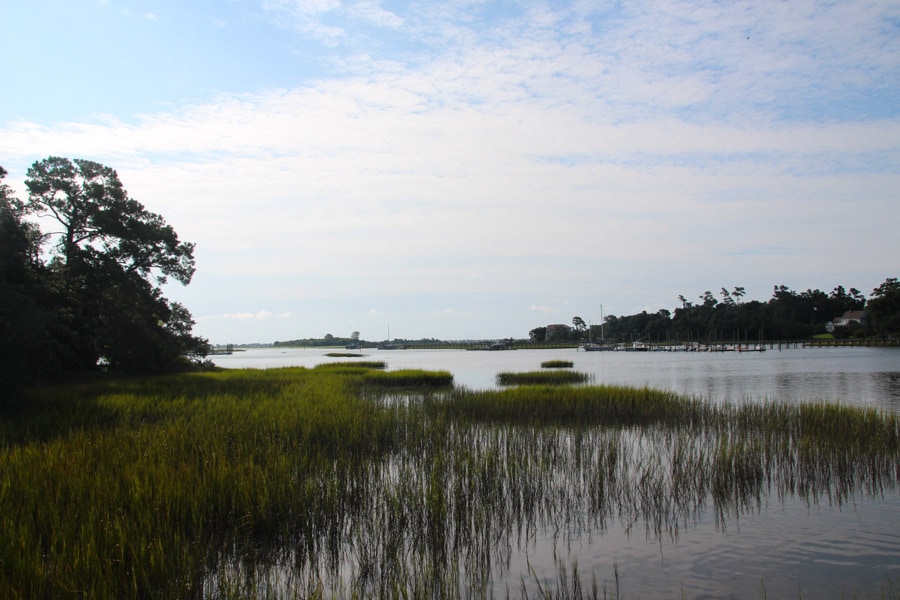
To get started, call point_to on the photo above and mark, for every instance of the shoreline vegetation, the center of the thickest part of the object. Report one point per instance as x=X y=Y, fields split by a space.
x=349 y=480
x=523 y=344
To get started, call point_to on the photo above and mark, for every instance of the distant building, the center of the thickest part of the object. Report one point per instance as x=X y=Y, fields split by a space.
x=858 y=316
x=851 y=316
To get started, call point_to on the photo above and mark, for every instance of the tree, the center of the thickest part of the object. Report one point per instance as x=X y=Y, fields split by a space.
x=28 y=322
x=110 y=256
x=16 y=238
x=538 y=334
x=884 y=307
x=100 y=223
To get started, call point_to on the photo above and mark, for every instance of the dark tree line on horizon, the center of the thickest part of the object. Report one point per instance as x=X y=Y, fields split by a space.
x=787 y=315
x=86 y=294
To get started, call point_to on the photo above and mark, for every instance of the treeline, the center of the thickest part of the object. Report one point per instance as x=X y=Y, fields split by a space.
x=787 y=315
x=85 y=295
x=329 y=341
x=324 y=342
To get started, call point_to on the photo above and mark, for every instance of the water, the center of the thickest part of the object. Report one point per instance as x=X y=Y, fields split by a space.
x=860 y=376
x=790 y=548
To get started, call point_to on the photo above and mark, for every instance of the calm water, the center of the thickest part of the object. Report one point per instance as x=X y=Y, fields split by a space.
x=866 y=376
x=783 y=549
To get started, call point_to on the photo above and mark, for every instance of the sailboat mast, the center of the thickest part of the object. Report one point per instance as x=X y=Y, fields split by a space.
x=602 y=335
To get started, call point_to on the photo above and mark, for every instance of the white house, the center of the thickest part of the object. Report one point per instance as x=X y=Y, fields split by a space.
x=851 y=316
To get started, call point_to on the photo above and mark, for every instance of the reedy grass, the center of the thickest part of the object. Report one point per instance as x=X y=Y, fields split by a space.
x=557 y=364
x=589 y=405
x=408 y=379
x=359 y=364
x=144 y=502
x=294 y=483
x=542 y=378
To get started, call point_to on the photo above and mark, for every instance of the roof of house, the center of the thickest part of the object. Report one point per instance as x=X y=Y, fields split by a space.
x=854 y=314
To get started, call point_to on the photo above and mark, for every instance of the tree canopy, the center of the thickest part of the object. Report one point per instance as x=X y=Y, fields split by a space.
x=88 y=290
x=884 y=306
x=787 y=315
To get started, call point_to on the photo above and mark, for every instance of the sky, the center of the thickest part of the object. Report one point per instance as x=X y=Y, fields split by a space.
x=473 y=169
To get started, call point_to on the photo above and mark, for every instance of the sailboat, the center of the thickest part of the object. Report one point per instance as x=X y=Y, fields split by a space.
x=388 y=344
x=590 y=345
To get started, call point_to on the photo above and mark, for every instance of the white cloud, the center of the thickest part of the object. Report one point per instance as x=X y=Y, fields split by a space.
x=559 y=148
x=304 y=16
x=372 y=12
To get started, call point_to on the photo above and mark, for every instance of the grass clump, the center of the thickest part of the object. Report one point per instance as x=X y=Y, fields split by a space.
x=606 y=405
x=408 y=379
x=542 y=378
x=557 y=364
x=359 y=364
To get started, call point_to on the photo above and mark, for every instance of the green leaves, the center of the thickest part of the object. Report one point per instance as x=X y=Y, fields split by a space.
x=97 y=217
x=884 y=307
x=109 y=257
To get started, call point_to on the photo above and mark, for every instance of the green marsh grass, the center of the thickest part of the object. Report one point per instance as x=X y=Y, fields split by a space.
x=297 y=483
x=542 y=378
x=409 y=378
x=147 y=481
x=357 y=366
x=591 y=405
x=557 y=364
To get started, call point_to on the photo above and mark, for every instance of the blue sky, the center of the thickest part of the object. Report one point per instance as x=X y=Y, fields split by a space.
x=474 y=169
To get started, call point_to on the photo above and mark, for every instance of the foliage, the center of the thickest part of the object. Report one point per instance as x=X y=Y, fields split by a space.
x=96 y=301
x=30 y=328
x=884 y=306
x=538 y=334
x=786 y=315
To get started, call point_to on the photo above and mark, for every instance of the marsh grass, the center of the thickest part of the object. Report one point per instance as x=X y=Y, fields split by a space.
x=542 y=378
x=146 y=481
x=557 y=364
x=295 y=483
x=589 y=405
x=356 y=366
x=409 y=379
